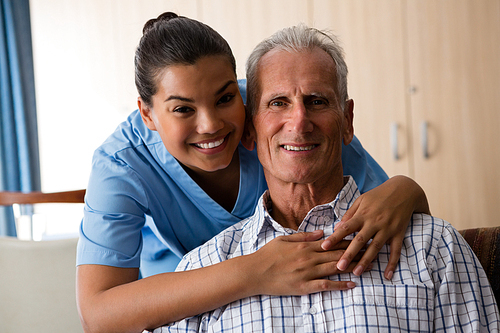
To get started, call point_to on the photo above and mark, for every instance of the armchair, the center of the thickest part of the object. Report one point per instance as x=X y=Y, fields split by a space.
x=485 y=242
x=37 y=279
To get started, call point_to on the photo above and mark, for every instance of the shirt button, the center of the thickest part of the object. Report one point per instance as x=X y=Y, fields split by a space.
x=312 y=310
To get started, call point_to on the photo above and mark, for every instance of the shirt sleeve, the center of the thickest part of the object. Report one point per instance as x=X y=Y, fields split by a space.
x=464 y=297
x=357 y=163
x=114 y=214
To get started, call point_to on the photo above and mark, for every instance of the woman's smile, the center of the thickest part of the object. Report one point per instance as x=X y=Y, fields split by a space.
x=212 y=146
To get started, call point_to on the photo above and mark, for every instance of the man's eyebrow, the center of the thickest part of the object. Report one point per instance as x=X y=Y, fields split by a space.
x=276 y=95
x=189 y=100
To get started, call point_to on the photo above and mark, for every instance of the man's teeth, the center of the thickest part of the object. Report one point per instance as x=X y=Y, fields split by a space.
x=210 y=145
x=295 y=148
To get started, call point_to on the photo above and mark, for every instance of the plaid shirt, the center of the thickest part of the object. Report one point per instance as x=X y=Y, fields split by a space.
x=439 y=285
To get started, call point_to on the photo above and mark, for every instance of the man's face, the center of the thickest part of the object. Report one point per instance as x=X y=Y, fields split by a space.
x=299 y=124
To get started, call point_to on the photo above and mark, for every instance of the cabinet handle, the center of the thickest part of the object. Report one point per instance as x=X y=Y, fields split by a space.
x=425 y=146
x=394 y=141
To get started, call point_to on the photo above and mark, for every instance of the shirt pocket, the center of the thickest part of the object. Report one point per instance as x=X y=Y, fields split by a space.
x=380 y=308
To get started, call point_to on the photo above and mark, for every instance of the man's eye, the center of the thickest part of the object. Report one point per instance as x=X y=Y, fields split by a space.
x=183 y=109
x=277 y=103
x=318 y=102
x=225 y=99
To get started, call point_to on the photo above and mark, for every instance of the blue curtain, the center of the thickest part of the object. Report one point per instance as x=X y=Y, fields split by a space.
x=19 y=158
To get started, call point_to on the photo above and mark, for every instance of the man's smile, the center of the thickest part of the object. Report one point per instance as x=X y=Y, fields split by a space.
x=298 y=148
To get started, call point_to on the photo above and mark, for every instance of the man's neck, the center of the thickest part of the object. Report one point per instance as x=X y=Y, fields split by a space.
x=291 y=202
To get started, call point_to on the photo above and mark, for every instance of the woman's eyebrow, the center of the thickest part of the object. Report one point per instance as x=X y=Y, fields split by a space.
x=183 y=99
x=224 y=87
x=190 y=100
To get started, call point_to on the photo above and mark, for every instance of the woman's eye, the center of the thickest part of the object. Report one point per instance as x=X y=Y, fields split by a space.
x=225 y=99
x=183 y=109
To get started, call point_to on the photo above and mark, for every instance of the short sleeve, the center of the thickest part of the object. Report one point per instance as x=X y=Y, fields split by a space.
x=114 y=214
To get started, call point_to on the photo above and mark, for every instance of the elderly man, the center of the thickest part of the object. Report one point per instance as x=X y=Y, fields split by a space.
x=301 y=115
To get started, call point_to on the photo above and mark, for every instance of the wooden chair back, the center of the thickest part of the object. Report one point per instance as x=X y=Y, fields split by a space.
x=8 y=198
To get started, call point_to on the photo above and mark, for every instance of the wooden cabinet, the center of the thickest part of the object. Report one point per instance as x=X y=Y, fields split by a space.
x=454 y=69
x=425 y=78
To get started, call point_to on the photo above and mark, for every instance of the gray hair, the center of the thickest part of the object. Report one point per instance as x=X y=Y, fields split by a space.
x=295 y=39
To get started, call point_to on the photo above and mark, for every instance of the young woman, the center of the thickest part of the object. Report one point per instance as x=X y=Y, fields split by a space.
x=175 y=174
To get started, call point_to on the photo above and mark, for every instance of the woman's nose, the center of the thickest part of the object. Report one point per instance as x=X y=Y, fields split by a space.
x=209 y=122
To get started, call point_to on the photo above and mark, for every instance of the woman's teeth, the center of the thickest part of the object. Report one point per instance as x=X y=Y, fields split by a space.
x=210 y=145
x=295 y=148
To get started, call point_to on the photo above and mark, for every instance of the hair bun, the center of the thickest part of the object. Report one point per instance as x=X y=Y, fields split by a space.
x=163 y=17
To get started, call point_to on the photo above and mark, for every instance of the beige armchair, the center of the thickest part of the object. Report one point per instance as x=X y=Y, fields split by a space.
x=37 y=278
x=37 y=286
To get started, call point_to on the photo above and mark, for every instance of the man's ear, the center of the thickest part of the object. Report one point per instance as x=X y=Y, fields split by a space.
x=349 y=118
x=248 y=137
x=146 y=114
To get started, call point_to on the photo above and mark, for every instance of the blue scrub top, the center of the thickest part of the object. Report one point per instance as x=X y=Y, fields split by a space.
x=143 y=210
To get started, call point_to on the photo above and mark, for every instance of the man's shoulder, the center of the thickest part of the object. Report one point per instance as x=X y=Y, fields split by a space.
x=430 y=231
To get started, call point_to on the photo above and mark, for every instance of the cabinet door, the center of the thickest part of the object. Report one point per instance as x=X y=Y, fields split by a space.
x=454 y=52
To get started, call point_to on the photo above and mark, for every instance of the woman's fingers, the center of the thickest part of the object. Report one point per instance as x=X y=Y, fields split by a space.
x=290 y=266
x=396 y=246
x=366 y=232
x=343 y=229
x=370 y=254
x=316 y=286
x=304 y=236
x=372 y=248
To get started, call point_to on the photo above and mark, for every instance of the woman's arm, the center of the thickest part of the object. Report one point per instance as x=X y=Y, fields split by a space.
x=111 y=299
x=382 y=214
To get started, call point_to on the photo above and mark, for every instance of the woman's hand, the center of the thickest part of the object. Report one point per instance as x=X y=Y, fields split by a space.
x=297 y=265
x=382 y=214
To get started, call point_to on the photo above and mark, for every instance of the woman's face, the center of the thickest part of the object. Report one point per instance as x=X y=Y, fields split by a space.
x=198 y=112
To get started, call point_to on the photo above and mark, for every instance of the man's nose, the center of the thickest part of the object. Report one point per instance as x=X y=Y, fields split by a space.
x=209 y=122
x=299 y=120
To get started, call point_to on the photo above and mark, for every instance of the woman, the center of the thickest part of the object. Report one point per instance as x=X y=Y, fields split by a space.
x=174 y=174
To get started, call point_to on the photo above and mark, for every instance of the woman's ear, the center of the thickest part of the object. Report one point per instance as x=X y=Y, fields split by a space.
x=146 y=114
x=248 y=137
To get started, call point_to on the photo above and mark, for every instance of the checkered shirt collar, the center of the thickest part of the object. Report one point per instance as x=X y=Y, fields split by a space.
x=331 y=212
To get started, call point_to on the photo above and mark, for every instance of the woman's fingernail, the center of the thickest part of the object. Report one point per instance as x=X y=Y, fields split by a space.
x=358 y=270
x=326 y=244
x=389 y=274
x=351 y=284
x=342 y=265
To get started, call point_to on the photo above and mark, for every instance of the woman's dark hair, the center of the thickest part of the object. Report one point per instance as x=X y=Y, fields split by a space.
x=173 y=40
